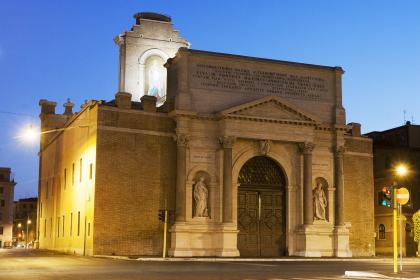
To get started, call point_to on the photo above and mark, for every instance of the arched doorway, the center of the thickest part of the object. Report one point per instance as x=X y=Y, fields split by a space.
x=261 y=209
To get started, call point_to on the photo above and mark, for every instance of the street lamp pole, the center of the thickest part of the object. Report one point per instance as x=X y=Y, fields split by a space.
x=28 y=222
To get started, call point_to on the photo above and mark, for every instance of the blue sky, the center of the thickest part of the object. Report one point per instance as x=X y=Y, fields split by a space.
x=60 y=49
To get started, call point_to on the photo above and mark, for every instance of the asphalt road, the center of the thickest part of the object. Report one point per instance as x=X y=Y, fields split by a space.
x=37 y=264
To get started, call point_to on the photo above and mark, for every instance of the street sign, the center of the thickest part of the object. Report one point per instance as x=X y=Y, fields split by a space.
x=403 y=196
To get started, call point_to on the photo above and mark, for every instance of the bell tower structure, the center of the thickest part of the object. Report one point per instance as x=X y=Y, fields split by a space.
x=143 y=52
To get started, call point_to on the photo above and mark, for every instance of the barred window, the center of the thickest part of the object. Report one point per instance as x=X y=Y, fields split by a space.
x=381 y=235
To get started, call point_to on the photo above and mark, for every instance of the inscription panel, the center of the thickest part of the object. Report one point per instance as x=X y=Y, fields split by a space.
x=202 y=157
x=263 y=82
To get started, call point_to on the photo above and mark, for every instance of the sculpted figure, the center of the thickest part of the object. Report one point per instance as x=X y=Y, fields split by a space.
x=201 y=195
x=156 y=86
x=320 y=203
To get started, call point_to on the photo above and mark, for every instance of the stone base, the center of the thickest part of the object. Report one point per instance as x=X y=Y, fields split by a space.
x=341 y=242
x=315 y=240
x=322 y=240
x=203 y=240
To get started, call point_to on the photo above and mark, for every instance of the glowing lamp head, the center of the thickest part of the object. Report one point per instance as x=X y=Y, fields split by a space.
x=29 y=222
x=29 y=134
x=19 y=225
x=401 y=170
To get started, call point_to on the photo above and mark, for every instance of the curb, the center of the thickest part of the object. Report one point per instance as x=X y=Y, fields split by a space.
x=198 y=259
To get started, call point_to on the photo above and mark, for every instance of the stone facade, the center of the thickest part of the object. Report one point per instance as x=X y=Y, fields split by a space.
x=205 y=154
x=7 y=185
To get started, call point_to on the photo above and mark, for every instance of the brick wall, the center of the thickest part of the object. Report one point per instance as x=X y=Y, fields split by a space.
x=359 y=196
x=136 y=157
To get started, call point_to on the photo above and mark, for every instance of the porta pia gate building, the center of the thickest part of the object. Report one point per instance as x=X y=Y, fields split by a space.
x=253 y=155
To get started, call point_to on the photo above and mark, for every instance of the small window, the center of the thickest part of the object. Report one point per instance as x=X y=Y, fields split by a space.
x=381 y=235
x=58 y=226
x=1 y=189
x=80 y=170
x=1 y=216
x=91 y=171
x=88 y=229
x=78 y=223
x=46 y=191
x=65 y=178
x=72 y=174
x=71 y=223
x=2 y=203
x=1 y=230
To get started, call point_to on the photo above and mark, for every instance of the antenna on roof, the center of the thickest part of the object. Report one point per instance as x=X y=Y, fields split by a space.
x=412 y=119
x=404 y=113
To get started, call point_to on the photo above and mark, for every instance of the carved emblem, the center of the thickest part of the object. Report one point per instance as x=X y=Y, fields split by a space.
x=265 y=146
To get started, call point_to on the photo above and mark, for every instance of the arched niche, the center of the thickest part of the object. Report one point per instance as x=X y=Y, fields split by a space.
x=153 y=74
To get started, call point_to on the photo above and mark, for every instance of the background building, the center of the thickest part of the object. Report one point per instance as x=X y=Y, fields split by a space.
x=7 y=185
x=263 y=163
x=25 y=210
x=400 y=145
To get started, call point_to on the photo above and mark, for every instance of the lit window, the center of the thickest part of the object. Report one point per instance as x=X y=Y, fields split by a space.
x=65 y=178
x=80 y=170
x=78 y=223
x=91 y=171
x=71 y=223
x=72 y=175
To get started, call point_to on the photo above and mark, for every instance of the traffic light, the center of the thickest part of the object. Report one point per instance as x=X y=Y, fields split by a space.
x=385 y=197
x=162 y=215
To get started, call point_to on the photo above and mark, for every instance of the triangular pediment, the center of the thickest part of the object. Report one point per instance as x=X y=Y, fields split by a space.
x=270 y=108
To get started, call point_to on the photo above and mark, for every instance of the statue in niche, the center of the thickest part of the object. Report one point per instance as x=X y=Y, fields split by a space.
x=320 y=203
x=201 y=195
x=156 y=81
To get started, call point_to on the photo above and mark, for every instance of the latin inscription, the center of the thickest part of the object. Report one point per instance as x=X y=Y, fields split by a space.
x=202 y=157
x=228 y=78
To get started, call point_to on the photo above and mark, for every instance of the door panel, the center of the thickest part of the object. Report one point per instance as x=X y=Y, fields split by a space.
x=260 y=223
x=248 y=237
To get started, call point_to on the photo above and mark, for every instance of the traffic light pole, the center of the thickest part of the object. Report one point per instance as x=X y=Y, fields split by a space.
x=400 y=233
x=394 y=226
x=165 y=225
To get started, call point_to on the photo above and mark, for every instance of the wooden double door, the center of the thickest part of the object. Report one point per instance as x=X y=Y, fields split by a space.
x=261 y=222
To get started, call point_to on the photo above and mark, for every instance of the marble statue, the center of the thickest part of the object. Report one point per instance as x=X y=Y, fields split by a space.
x=201 y=195
x=320 y=203
x=156 y=83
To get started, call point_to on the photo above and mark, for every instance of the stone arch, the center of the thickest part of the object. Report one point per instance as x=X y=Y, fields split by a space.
x=152 y=52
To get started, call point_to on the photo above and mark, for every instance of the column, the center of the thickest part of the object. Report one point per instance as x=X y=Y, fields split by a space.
x=308 y=213
x=227 y=143
x=181 y=155
x=339 y=183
